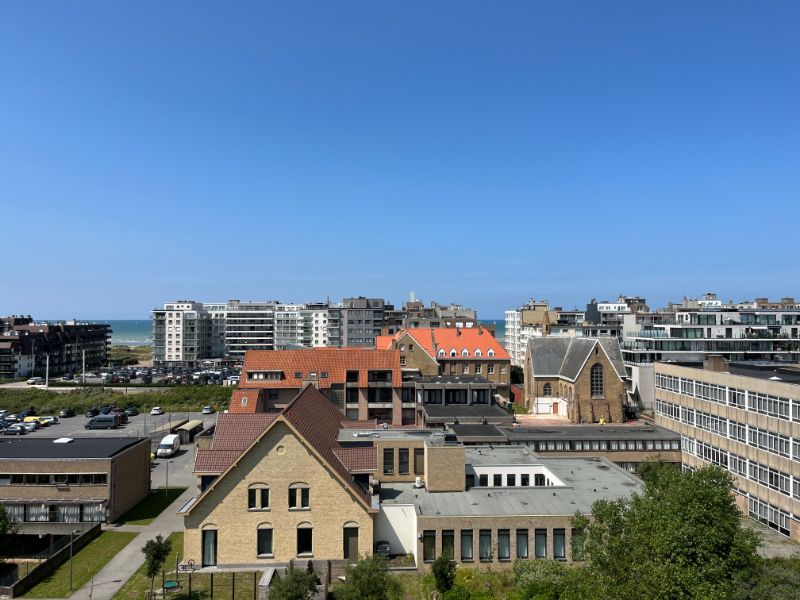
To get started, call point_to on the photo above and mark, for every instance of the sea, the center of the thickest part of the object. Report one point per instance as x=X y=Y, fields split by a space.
x=140 y=332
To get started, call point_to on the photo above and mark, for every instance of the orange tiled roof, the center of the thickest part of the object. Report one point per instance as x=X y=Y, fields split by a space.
x=459 y=339
x=384 y=342
x=252 y=395
x=214 y=462
x=237 y=432
x=358 y=459
x=333 y=361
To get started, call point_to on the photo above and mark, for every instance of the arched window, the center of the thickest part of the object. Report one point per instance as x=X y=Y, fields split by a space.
x=548 y=390
x=478 y=352
x=305 y=539
x=464 y=352
x=299 y=496
x=258 y=496
x=490 y=352
x=453 y=352
x=264 y=540
x=441 y=353
x=597 y=384
x=244 y=400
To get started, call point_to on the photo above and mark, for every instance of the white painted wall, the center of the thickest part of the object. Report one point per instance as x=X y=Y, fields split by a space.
x=543 y=405
x=397 y=524
x=517 y=470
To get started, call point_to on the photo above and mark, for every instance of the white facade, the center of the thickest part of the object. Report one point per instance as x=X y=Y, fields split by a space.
x=517 y=336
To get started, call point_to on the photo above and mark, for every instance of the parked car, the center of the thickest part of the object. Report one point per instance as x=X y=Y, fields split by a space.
x=120 y=413
x=382 y=547
x=156 y=410
x=208 y=410
x=102 y=422
x=48 y=420
x=104 y=410
x=27 y=412
x=38 y=420
x=14 y=429
x=66 y=412
x=36 y=381
x=12 y=418
x=131 y=411
x=30 y=426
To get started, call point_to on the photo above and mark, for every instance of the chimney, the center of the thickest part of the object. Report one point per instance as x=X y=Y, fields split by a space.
x=716 y=363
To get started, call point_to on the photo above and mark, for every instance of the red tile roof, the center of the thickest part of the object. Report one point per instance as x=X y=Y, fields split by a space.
x=358 y=459
x=333 y=361
x=366 y=424
x=458 y=338
x=252 y=395
x=214 y=462
x=237 y=432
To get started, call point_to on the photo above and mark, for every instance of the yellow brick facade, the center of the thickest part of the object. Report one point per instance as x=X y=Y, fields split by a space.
x=279 y=460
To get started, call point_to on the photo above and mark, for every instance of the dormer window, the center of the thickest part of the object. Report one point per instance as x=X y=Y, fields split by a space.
x=453 y=352
x=464 y=352
x=478 y=353
x=490 y=352
x=441 y=353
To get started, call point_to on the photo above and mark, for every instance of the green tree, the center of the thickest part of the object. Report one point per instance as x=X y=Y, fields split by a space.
x=773 y=579
x=297 y=584
x=8 y=528
x=682 y=538
x=517 y=375
x=369 y=579
x=444 y=571
x=456 y=593
x=155 y=552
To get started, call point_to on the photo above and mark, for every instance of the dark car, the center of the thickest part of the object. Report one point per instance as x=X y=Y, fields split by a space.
x=66 y=412
x=15 y=429
x=104 y=410
x=92 y=412
x=120 y=414
x=131 y=411
x=28 y=412
x=382 y=548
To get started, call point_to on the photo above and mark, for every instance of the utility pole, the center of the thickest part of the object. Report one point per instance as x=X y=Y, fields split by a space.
x=83 y=367
x=47 y=373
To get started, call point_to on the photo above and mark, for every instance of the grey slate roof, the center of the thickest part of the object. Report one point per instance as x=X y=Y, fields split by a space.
x=564 y=357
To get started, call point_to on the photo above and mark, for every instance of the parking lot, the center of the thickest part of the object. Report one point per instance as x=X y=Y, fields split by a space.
x=142 y=425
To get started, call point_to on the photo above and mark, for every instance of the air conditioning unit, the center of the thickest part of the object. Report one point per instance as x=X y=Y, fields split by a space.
x=418 y=482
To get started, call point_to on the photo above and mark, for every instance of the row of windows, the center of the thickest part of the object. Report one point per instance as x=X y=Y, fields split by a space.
x=54 y=479
x=748 y=469
x=56 y=513
x=539 y=480
x=764 y=404
x=402 y=466
x=258 y=496
x=464 y=352
x=769 y=515
x=605 y=445
x=500 y=547
x=777 y=444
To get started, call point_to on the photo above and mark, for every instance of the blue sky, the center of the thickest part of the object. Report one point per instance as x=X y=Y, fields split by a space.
x=470 y=151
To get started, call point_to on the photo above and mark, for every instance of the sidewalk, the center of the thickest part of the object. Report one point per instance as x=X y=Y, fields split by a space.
x=120 y=568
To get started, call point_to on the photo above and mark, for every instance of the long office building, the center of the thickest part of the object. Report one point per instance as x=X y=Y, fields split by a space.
x=744 y=418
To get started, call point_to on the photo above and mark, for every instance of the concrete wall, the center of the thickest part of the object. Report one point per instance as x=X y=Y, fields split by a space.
x=397 y=524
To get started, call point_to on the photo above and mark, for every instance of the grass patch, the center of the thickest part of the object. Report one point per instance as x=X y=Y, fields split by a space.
x=138 y=584
x=498 y=583
x=153 y=505
x=87 y=562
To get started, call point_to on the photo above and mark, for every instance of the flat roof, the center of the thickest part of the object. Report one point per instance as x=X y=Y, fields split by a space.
x=587 y=480
x=589 y=431
x=489 y=411
x=370 y=435
x=451 y=379
x=79 y=448
x=500 y=455
x=484 y=432
x=767 y=370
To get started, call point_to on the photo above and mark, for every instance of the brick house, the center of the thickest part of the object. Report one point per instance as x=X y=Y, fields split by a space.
x=583 y=379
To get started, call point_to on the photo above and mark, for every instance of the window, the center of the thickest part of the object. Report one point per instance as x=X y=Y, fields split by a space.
x=541 y=543
x=388 y=461
x=264 y=540
x=478 y=369
x=497 y=480
x=402 y=461
x=478 y=353
x=538 y=479
x=490 y=369
x=305 y=540
x=448 y=543
x=503 y=544
x=548 y=390
x=525 y=480
x=596 y=381
x=522 y=543
x=559 y=544
x=465 y=369
x=453 y=353
x=419 y=461
x=511 y=480
x=258 y=497
x=485 y=545
x=490 y=352
x=299 y=496
x=441 y=353
x=464 y=352
x=483 y=480
x=428 y=545
x=466 y=545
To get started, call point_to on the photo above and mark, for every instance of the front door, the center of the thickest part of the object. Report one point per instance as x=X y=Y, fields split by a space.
x=350 y=543
x=555 y=407
x=209 y=547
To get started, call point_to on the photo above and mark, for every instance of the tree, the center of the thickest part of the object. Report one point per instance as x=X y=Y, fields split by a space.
x=369 y=579
x=297 y=584
x=682 y=538
x=517 y=375
x=155 y=552
x=8 y=527
x=444 y=571
x=774 y=579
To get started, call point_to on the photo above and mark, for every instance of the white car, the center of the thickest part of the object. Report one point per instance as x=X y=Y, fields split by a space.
x=156 y=410
x=35 y=381
x=48 y=420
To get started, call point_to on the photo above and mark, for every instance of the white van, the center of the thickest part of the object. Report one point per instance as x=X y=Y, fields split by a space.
x=168 y=446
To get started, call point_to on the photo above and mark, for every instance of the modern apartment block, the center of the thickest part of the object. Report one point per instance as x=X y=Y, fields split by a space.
x=356 y=322
x=744 y=418
x=307 y=482
x=186 y=332
x=248 y=326
x=695 y=329
x=27 y=346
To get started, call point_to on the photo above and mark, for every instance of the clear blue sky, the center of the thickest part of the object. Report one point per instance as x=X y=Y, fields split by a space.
x=477 y=152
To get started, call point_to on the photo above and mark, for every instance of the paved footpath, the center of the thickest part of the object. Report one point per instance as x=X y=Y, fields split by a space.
x=120 y=568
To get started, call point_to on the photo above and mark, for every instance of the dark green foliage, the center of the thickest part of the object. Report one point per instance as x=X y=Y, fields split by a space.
x=456 y=593
x=297 y=584
x=771 y=579
x=369 y=579
x=517 y=375
x=155 y=552
x=444 y=571
x=682 y=538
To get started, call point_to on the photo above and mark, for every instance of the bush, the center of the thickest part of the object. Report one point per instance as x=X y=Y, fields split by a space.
x=444 y=571
x=456 y=593
x=297 y=584
x=369 y=579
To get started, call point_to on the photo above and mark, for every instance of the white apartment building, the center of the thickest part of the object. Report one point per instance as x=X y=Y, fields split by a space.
x=184 y=332
x=517 y=336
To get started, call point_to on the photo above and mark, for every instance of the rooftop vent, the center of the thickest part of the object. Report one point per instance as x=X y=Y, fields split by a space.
x=63 y=440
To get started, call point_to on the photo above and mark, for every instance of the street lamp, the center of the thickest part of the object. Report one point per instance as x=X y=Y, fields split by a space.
x=166 y=482
x=71 y=539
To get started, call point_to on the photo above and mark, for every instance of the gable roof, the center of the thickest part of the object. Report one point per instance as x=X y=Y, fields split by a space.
x=335 y=362
x=358 y=459
x=310 y=415
x=565 y=357
x=460 y=338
